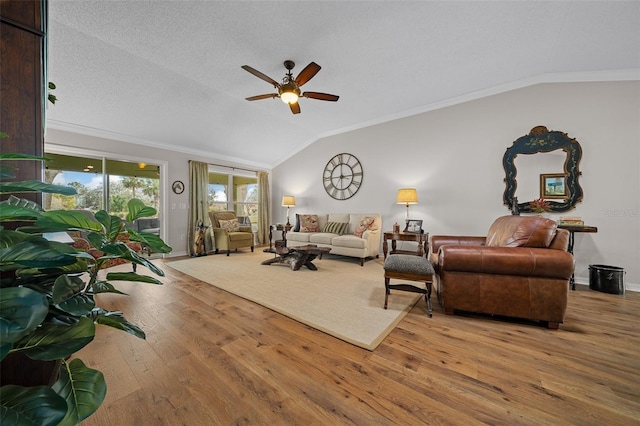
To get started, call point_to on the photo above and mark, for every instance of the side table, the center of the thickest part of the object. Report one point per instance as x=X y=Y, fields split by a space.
x=573 y=229
x=282 y=228
x=422 y=240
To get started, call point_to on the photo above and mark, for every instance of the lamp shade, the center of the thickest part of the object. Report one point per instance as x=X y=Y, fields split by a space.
x=288 y=201
x=407 y=196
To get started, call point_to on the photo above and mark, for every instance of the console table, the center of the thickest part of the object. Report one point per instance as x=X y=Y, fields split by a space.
x=422 y=240
x=572 y=230
x=282 y=228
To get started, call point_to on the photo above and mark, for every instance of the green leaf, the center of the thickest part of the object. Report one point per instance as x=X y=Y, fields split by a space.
x=154 y=242
x=71 y=218
x=50 y=341
x=10 y=213
x=82 y=388
x=112 y=224
x=104 y=287
x=20 y=156
x=33 y=406
x=132 y=276
x=117 y=320
x=37 y=252
x=35 y=186
x=68 y=295
x=21 y=311
x=137 y=209
x=10 y=238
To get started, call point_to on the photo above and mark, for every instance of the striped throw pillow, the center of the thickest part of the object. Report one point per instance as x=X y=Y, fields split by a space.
x=336 y=228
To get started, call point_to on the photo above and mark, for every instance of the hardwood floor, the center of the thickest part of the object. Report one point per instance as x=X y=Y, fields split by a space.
x=212 y=358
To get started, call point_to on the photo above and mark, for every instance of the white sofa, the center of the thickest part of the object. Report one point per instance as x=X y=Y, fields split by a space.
x=347 y=244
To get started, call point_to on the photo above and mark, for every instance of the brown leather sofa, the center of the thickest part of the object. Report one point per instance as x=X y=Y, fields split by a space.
x=520 y=269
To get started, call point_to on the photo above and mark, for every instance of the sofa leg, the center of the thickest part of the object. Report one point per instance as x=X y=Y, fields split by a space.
x=551 y=325
x=217 y=251
x=228 y=252
x=362 y=261
x=448 y=311
x=251 y=249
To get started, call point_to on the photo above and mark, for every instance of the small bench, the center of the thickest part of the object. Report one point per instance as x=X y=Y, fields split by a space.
x=411 y=268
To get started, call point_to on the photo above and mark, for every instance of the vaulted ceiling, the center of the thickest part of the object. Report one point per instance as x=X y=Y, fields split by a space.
x=168 y=73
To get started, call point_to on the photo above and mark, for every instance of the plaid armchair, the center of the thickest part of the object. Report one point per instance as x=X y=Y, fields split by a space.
x=83 y=244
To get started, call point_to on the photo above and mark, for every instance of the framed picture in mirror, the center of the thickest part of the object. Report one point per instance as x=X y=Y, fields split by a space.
x=553 y=185
x=413 y=226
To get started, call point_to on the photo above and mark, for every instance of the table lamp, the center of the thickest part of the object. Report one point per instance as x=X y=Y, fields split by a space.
x=407 y=196
x=288 y=201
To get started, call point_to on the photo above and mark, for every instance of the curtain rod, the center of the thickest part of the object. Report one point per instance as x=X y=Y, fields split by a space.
x=234 y=168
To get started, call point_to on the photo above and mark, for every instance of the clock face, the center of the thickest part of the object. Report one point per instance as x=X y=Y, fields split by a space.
x=342 y=176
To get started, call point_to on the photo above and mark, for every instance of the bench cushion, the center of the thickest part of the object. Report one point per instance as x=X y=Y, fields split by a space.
x=409 y=264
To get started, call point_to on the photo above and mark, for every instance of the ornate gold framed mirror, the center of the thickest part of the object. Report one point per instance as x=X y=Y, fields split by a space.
x=565 y=154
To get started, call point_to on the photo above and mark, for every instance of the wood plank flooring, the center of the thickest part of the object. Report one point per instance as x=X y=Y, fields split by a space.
x=212 y=358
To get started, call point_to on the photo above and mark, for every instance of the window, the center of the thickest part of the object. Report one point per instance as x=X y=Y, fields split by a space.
x=242 y=199
x=114 y=186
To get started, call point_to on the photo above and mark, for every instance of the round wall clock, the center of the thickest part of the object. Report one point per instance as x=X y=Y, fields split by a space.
x=342 y=176
x=177 y=187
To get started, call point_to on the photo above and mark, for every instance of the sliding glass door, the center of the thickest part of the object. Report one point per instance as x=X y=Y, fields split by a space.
x=101 y=183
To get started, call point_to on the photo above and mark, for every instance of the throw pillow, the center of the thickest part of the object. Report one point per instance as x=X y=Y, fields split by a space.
x=230 y=225
x=296 y=228
x=309 y=223
x=365 y=224
x=336 y=228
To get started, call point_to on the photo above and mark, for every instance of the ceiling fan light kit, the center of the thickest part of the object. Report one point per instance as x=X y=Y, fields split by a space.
x=289 y=89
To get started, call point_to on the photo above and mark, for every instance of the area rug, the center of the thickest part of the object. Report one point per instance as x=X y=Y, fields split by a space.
x=341 y=298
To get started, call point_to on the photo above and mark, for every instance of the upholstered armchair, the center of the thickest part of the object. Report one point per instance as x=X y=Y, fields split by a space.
x=228 y=234
x=520 y=269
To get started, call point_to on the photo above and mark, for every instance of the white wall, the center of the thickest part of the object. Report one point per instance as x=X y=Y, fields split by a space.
x=453 y=156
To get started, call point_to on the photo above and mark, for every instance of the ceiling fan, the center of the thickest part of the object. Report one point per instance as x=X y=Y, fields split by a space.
x=289 y=89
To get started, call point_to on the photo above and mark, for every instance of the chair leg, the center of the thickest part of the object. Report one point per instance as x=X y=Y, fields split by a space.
x=427 y=298
x=135 y=266
x=386 y=291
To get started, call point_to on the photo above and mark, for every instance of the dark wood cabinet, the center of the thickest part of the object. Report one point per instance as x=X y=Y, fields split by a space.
x=23 y=91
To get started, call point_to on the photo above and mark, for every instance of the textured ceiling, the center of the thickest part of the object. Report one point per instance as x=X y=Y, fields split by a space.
x=167 y=73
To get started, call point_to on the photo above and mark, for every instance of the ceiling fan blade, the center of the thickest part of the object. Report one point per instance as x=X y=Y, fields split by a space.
x=261 y=75
x=321 y=96
x=295 y=108
x=307 y=73
x=259 y=97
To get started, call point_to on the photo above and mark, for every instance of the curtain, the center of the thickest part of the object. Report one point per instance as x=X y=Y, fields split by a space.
x=198 y=204
x=264 y=209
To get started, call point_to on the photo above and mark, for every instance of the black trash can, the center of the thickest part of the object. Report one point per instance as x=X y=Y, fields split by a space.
x=606 y=278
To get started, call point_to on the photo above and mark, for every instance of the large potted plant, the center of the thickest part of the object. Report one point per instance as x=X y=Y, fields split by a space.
x=47 y=305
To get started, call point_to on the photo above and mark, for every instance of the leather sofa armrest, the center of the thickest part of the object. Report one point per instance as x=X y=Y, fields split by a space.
x=521 y=261
x=438 y=241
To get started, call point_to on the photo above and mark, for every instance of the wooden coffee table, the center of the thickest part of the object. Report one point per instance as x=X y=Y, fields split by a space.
x=298 y=256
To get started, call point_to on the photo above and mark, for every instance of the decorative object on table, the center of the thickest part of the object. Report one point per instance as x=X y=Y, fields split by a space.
x=342 y=176
x=515 y=210
x=540 y=140
x=552 y=185
x=396 y=227
x=571 y=221
x=177 y=187
x=540 y=206
x=414 y=226
x=198 y=246
x=407 y=196
x=288 y=201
